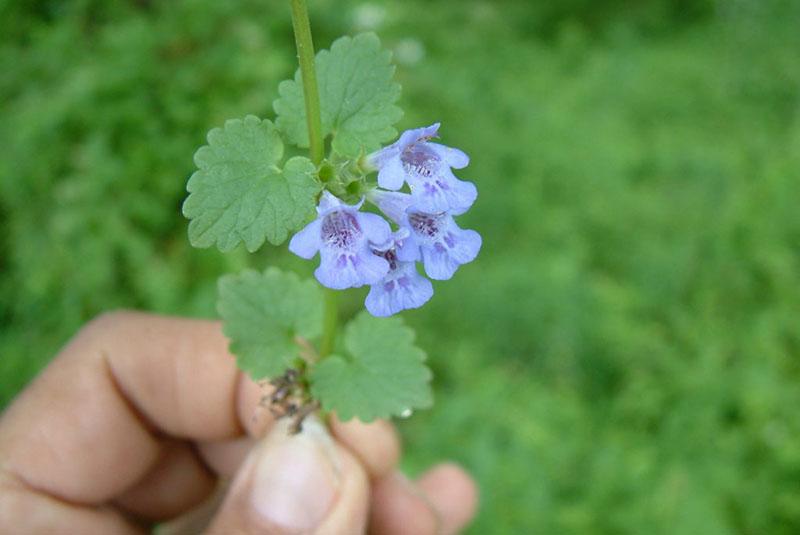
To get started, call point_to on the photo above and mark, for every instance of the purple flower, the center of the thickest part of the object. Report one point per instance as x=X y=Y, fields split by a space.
x=434 y=237
x=426 y=167
x=402 y=288
x=342 y=236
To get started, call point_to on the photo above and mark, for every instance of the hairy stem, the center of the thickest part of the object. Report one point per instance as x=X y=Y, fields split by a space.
x=305 y=55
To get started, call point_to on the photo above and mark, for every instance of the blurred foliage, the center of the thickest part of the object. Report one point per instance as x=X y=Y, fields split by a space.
x=622 y=358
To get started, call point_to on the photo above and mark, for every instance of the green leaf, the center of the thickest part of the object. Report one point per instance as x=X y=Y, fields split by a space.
x=382 y=374
x=357 y=96
x=263 y=313
x=240 y=194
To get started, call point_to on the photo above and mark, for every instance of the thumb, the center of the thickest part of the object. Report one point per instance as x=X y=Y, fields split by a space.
x=292 y=484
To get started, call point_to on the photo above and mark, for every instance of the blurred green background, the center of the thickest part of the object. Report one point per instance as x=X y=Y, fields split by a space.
x=624 y=355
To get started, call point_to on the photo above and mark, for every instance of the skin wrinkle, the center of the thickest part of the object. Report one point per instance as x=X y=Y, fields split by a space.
x=245 y=421
x=31 y=500
x=175 y=397
x=138 y=411
x=134 y=409
x=180 y=425
x=18 y=474
x=179 y=479
x=198 y=455
x=12 y=479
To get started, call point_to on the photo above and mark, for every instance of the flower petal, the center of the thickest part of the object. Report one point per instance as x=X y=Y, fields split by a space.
x=393 y=204
x=396 y=240
x=428 y=196
x=328 y=202
x=307 y=242
x=371 y=268
x=455 y=158
x=336 y=270
x=461 y=195
x=391 y=174
x=465 y=247
x=375 y=228
x=450 y=249
x=381 y=157
x=443 y=192
x=345 y=269
x=439 y=265
x=378 y=301
x=377 y=159
x=408 y=249
x=404 y=290
x=413 y=136
x=413 y=290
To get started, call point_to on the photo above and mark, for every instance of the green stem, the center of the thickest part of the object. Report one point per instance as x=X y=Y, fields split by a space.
x=305 y=55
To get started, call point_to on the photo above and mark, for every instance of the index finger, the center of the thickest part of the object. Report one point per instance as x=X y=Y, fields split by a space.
x=88 y=427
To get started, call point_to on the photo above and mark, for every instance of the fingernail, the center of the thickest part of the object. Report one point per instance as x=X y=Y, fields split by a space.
x=295 y=478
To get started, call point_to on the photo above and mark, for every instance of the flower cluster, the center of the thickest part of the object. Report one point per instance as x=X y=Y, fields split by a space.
x=358 y=248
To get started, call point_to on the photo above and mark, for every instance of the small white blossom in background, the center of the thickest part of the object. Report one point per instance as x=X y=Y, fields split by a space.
x=369 y=17
x=409 y=51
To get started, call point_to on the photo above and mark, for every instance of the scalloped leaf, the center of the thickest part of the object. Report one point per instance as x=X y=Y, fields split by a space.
x=380 y=372
x=357 y=96
x=262 y=314
x=239 y=194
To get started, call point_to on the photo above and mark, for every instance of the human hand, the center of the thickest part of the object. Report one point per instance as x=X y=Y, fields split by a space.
x=140 y=418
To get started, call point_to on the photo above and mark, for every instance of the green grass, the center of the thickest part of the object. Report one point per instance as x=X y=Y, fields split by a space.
x=622 y=358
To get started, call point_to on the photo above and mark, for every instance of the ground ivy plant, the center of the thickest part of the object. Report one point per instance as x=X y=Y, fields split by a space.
x=283 y=329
